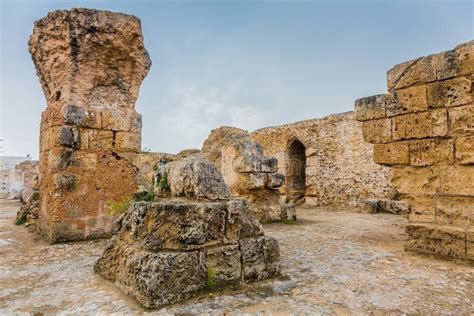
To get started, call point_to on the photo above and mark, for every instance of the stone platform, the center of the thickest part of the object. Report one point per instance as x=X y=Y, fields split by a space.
x=195 y=240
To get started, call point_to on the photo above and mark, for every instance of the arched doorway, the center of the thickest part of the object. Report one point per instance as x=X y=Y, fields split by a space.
x=295 y=176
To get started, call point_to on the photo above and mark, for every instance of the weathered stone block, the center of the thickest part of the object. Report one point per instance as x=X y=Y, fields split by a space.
x=429 y=152
x=65 y=181
x=422 y=208
x=377 y=131
x=392 y=154
x=455 y=210
x=260 y=258
x=126 y=141
x=257 y=180
x=412 y=72
x=240 y=223
x=456 y=62
x=457 y=180
x=58 y=159
x=155 y=279
x=224 y=262
x=86 y=160
x=96 y=139
x=52 y=116
x=121 y=120
x=57 y=136
x=451 y=92
x=69 y=137
x=465 y=150
x=462 y=120
x=177 y=226
x=78 y=116
x=194 y=177
x=275 y=180
x=437 y=240
x=249 y=148
x=415 y=180
x=407 y=100
x=255 y=164
x=420 y=125
x=370 y=108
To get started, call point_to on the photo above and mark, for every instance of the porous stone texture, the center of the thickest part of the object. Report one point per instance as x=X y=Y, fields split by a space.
x=428 y=146
x=197 y=239
x=90 y=64
x=247 y=172
x=326 y=162
x=191 y=177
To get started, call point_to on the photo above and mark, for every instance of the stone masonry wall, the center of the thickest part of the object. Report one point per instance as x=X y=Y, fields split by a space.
x=90 y=64
x=339 y=166
x=423 y=128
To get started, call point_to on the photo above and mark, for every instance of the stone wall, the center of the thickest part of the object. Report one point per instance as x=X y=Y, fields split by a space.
x=90 y=64
x=423 y=128
x=338 y=166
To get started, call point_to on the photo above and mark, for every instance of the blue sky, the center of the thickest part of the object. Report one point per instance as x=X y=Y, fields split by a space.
x=248 y=64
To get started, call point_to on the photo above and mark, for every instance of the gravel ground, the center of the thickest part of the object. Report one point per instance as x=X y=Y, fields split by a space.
x=333 y=262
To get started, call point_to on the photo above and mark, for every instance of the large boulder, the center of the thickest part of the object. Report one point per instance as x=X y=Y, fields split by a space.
x=192 y=177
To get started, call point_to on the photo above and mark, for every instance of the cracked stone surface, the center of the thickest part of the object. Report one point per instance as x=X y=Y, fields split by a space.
x=333 y=262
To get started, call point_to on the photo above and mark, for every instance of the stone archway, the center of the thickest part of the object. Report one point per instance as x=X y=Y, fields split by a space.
x=295 y=173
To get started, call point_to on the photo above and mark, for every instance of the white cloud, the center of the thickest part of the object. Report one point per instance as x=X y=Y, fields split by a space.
x=189 y=111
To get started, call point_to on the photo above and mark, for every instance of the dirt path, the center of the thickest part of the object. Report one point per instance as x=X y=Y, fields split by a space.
x=333 y=263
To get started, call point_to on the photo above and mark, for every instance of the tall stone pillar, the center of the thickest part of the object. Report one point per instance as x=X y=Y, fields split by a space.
x=90 y=64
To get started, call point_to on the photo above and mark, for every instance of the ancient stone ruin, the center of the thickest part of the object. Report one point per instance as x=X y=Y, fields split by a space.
x=423 y=128
x=90 y=64
x=326 y=162
x=194 y=238
x=248 y=173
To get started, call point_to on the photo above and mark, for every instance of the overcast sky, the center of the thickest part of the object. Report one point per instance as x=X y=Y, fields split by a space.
x=241 y=63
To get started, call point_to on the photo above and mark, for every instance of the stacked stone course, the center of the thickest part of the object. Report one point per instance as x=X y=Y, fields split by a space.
x=423 y=128
x=339 y=171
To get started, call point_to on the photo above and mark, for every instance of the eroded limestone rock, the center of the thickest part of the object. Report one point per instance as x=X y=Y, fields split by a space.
x=167 y=251
x=191 y=177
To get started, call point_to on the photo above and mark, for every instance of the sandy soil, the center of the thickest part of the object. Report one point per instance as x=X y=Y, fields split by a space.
x=338 y=263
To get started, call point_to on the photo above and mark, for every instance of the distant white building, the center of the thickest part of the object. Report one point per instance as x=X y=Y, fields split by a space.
x=11 y=179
